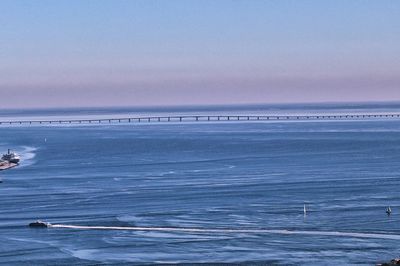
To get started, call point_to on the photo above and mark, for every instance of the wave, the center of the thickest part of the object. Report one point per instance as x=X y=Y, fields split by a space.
x=233 y=231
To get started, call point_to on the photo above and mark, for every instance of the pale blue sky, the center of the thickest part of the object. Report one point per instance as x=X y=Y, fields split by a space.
x=130 y=53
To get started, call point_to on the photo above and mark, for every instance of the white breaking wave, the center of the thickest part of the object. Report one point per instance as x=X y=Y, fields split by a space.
x=220 y=230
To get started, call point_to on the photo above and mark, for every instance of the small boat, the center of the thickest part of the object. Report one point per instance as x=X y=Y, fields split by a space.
x=304 y=210
x=11 y=157
x=388 y=211
x=39 y=224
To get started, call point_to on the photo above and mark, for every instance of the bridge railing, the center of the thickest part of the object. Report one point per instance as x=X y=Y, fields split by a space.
x=203 y=118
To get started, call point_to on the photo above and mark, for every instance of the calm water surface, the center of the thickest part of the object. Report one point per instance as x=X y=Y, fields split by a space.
x=226 y=176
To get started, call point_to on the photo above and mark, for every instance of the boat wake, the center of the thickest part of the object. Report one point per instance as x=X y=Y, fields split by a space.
x=27 y=155
x=233 y=231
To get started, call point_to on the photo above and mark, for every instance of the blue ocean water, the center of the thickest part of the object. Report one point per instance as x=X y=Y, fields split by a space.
x=229 y=176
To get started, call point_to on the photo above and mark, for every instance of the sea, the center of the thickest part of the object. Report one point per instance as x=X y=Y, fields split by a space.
x=232 y=192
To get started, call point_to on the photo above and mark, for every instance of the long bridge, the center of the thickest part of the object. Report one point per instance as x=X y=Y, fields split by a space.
x=204 y=118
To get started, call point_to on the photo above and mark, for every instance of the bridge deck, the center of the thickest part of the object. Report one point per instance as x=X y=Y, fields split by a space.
x=204 y=118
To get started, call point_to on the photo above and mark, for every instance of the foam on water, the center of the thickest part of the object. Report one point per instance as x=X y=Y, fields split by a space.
x=27 y=154
x=233 y=231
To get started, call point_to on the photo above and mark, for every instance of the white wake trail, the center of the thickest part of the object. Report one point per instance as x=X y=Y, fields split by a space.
x=220 y=230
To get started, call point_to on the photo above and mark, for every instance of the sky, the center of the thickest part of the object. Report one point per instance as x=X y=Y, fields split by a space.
x=145 y=52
